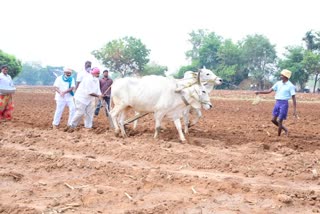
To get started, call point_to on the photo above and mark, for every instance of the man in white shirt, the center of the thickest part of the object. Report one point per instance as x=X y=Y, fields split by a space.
x=64 y=86
x=88 y=90
x=6 y=103
x=83 y=74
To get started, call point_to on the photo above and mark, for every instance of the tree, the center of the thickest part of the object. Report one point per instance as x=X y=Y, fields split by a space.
x=29 y=74
x=260 y=58
x=183 y=69
x=208 y=52
x=230 y=67
x=126 y=56
x=311 y=62
x=34 y=74
x=14 y=64
x=294 y=62
x=154 y=69
x=204 y=50
x=312 y=56
x=196 y=40
x=312 y=40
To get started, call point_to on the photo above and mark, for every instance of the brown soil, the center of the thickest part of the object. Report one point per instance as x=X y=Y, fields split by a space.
x=233 y=162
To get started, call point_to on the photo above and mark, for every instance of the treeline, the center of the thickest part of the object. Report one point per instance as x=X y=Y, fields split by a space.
x=34 y=74
x=253 y=57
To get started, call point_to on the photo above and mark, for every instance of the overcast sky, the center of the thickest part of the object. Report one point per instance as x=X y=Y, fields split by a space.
x=64 y=32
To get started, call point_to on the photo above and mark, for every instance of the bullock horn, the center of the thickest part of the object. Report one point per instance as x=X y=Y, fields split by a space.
x=198 y=78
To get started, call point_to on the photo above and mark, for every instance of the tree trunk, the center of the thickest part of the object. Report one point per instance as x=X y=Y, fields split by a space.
x=315 y=83
x=261 y=84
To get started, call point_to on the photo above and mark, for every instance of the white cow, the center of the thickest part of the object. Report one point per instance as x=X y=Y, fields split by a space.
x=209 y=80
x=207 y=77
x=155 y=94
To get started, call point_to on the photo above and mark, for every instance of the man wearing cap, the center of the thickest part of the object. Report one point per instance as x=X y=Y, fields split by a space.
x=284 y=91
x=88 y=90
x=6 y=103
x=64 y=86
x=105 y=86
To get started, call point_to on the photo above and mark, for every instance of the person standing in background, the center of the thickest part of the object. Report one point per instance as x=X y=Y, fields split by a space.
x=105 y=86
x=6 y=102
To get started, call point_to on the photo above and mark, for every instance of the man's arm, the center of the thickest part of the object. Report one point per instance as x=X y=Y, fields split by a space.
x=68 y=90
x=264 y=92
x=56 y=89
x=77 y=85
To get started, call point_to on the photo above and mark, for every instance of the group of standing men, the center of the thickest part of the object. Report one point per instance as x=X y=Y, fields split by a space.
x=82 y=102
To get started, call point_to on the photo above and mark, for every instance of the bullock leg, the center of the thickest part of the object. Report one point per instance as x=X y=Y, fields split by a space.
x=114 y=113
x=186 y=120
x=158 y=118
x=121 y=122
x=177 y=123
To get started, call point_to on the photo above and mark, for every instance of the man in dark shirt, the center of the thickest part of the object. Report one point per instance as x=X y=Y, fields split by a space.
x=105 y=87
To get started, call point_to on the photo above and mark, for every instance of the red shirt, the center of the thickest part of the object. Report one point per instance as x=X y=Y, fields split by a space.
x=105 y=86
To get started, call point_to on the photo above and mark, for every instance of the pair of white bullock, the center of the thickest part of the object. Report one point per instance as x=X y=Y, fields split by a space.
x=162 y=96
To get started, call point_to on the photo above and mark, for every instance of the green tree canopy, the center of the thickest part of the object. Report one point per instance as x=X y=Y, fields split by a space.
x=312 y=40
x=154 y=69
x=205 y=46
x=183 y=69
x=294 y=62
x=311 y=62
x=196 y=40
x=311 y=58
x=260 y=58
x=208 y=52
x=230 y=67
x=126 y=56
x=13 y=63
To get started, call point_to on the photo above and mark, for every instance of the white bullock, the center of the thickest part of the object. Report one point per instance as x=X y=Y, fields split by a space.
x=209 y=80
x=206 y=76
x=158 y=95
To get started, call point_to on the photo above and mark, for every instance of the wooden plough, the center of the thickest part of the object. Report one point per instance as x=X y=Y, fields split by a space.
x=130 y=120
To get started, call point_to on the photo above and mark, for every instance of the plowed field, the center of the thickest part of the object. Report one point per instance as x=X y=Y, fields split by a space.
x=233 y=162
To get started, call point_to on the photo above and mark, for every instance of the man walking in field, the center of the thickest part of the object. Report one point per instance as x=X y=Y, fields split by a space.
x=284 y=91
x=64 y=86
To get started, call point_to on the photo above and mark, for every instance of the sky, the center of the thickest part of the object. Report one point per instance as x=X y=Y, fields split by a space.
x=65 y=32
